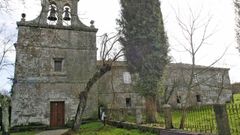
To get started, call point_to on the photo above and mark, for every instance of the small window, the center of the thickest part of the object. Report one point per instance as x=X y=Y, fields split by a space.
x=198 y=97
x=178 y=99
x=195 y=79
x=127 y=78
x=128 y=102
x=58 y=64
x=219 y=77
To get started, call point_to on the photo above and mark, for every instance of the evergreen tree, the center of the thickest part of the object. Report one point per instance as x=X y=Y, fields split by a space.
x=146 y=47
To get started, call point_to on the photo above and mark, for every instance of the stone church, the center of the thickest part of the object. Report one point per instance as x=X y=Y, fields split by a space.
x=56 y=54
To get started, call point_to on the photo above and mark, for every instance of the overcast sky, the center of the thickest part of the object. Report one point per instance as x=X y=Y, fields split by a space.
x=105 y=12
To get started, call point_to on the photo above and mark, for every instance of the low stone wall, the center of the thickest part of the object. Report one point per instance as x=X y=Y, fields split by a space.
x=155 y=130
x=29 y=128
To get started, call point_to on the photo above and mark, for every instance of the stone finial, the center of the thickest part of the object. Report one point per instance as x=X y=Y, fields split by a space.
x=23 y=17
x=92 y=24
x=15 y=45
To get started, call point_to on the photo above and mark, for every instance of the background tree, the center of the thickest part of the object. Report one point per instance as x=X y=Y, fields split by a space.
x=146 y=47
x=5 y=103
x=5 y=49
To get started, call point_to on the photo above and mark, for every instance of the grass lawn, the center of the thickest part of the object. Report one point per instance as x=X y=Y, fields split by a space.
x=97 y=128
x=196 y=121
x=25 y=133
x=203 y=119
x=236 y=98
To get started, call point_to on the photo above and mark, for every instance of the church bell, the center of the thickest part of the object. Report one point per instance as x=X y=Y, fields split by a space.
x=52 y=16
x=67 y=15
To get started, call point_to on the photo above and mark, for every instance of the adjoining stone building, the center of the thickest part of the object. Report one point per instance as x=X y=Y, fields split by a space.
x=115 y=88
x=55 y=57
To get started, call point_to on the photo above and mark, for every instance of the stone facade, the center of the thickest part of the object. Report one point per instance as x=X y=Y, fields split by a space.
x=53 y=63
x=209 y=83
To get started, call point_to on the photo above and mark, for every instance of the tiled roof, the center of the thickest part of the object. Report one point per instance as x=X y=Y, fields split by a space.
x=171 y=65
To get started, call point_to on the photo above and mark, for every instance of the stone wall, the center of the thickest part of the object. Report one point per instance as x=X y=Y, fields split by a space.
x=155 y=130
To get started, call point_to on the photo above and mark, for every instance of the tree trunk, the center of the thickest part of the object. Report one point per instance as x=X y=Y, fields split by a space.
x=151 y=109
x=5 y=120
x=183 y=118
x=80 y=110
x=84 y=95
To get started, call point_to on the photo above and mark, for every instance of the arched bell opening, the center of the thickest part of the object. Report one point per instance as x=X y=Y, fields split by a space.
x=67 y=15
x=52 y=14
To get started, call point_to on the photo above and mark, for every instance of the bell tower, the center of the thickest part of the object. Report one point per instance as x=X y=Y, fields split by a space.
x=60 y=13
x=55 y=57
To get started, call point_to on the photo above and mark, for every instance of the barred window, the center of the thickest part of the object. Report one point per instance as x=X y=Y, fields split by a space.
x=58 y=64
x=128 y=102
x=198 y=97
x=178 y=99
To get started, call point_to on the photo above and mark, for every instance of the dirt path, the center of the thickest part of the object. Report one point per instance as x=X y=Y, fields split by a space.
x=53 y=132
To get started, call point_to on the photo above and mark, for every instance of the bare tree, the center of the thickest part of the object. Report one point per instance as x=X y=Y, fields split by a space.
x=196 y=34
x=5 y=49
x=108 y=57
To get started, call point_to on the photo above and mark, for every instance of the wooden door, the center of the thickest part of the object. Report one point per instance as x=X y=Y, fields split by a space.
x=56 y=114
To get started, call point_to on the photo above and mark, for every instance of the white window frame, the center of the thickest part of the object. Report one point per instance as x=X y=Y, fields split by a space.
x=127 y=79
